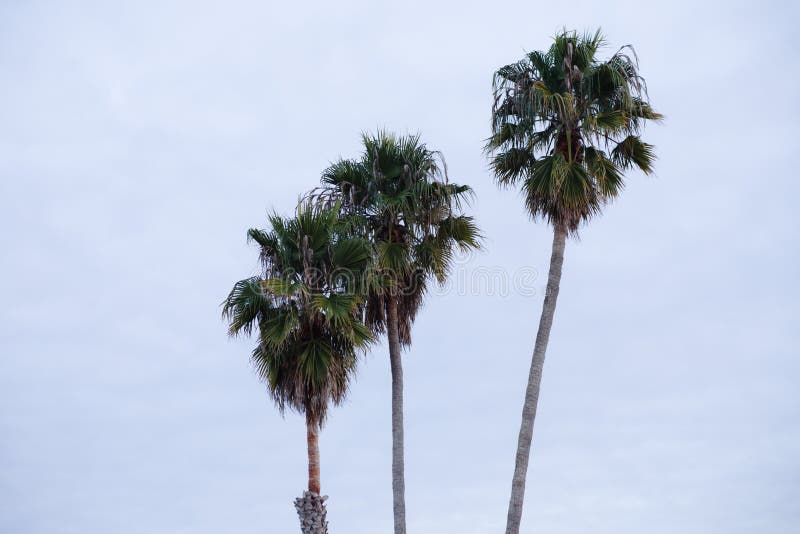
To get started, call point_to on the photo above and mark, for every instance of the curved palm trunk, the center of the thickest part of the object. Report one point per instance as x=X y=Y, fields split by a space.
x=398 y=469
x=311 y=506
x=534 y=381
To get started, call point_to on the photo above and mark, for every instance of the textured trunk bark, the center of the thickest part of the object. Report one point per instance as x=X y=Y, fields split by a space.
x=312 y=513
x=312 y=436
x=398 y=468
x=534 y=381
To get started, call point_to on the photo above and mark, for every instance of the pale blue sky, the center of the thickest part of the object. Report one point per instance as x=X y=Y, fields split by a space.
x=138 y=142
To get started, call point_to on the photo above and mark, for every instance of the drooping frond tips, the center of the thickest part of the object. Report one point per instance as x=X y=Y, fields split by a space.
x=512 y=165
x=263 y=238
x=633 y=152
x=242 y=306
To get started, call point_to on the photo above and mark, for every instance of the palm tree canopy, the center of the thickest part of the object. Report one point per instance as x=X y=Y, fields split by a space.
x=566 y=126
x=398 y=195
x=306 y=308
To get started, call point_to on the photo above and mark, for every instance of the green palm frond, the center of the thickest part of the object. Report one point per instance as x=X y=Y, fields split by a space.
x=460 y=230
x=278 y=327
x=351 y=252
x=605 y=172
x=392 y=256
x=633 y=152
x=337 y=308
x=315 y=362
x=243 y=305
x=512 y=165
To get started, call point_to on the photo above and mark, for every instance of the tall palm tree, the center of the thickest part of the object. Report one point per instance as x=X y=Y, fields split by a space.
x=565 y=127
x=398 y=195
x=309 y=318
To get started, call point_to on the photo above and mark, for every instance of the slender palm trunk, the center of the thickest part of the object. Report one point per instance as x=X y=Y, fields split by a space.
x=311 y=506
x=534 y=381
x=312 y=436
x=398 y=469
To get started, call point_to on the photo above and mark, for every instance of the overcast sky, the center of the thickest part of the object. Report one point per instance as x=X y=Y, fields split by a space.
x=138 y=142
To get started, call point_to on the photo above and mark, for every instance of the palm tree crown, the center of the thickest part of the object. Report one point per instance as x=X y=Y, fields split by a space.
x=398 y=195
x=307 y=309
x=567 y=126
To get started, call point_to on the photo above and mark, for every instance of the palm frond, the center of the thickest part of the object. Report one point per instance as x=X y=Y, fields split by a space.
x=512 y=165
x=633 y=152
x=243 y=305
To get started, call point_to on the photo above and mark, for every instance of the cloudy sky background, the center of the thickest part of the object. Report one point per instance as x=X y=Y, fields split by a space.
x=138 y=142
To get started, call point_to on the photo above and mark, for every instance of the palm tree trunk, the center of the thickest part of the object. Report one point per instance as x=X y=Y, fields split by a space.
x=398 y=469
x=534 y=381
x=312 y=436
x=311 y=506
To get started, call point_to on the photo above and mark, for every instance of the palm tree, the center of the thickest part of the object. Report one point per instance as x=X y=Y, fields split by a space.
x=398 y=195
x=565 y=127
x=309 y=319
